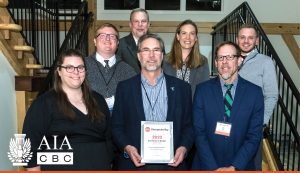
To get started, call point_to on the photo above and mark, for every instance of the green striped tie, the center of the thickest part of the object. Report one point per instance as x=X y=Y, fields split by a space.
x=228 y=99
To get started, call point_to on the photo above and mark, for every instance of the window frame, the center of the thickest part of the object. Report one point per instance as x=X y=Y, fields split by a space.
x=182 y=10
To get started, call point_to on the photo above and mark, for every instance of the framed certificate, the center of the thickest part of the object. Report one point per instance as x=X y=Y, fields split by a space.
x=157 y=142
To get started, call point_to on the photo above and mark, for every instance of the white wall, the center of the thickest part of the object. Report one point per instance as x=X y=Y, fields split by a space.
x=266 y=11
x=287 y=58
x=8 y=113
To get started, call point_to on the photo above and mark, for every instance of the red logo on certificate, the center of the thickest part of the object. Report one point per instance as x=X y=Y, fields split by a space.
x=147 y=129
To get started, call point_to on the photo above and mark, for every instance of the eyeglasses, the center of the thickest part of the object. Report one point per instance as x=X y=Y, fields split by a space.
x=71 y=69
x=139 y=22
x=146 y=51
x=104 y=36
x=227 y=57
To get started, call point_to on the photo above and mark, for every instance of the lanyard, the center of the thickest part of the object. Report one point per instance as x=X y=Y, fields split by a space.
x=152 y=107
x=107 y=82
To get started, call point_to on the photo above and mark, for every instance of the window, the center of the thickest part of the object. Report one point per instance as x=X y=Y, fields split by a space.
x=21 y=4
x=162 y=5
x=50 y=4
x=203 y=5
x=172 y=5
x=63 y=4
x=121 y=4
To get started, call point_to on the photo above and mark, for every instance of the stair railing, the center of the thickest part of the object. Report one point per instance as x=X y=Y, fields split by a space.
x=76 y=38
x=45 y=24
x=283 y=129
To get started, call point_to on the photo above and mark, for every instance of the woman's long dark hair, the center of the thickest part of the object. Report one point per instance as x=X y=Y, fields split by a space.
x=63 y=102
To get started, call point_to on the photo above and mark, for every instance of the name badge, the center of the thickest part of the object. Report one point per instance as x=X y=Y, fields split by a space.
x=223 y=128
x=110 y=102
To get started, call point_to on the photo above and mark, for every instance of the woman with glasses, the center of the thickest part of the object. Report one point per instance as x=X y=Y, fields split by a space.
x=185 y=61
x=70 y=118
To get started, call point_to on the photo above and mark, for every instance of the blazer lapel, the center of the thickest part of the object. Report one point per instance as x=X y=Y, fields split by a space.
x=131 y=46
x=239 y=92
x=171 y=90
x=138 y=99
x=131 y=50
x=219 y=96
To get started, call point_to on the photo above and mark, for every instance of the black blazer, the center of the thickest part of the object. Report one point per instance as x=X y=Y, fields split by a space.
x=128 y=113
x=127 y=50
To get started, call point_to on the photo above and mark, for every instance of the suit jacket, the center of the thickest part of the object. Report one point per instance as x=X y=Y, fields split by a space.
x=215 y=151
x=127 y=50
x=128 y=113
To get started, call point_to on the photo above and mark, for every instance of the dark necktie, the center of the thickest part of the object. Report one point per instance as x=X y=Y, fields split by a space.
x=106 y=66
x=228 y=100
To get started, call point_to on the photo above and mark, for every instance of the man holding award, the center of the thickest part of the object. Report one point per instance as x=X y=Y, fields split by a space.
x=151 y=120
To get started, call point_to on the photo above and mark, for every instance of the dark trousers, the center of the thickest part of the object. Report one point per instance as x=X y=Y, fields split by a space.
x=258 y=157
x=190 y=157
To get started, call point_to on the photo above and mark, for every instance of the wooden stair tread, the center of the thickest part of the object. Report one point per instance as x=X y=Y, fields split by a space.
x=24 y=48
x=11 y=26
x=34 y=66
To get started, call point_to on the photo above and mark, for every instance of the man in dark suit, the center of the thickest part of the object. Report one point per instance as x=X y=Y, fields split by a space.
x=228 y=116
x=139 y=25
x=156 y=97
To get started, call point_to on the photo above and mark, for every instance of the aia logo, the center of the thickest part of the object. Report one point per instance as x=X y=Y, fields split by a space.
x=19 y=150
x=55 y=155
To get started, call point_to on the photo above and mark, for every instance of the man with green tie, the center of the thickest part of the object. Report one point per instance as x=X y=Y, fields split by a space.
x=228 y=116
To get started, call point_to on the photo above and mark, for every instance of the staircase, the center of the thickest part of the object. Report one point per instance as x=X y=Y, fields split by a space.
x=50 y=26
x=12 y=43
x=281 y=142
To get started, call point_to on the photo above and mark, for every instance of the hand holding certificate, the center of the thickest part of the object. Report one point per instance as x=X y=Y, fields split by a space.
x=157 y=142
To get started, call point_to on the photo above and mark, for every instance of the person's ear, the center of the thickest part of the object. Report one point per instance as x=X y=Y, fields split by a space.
x=138 y=55
x=216 y=63
x=58 y=71
x=177 y=36
x=95 y=42
x=257 y=41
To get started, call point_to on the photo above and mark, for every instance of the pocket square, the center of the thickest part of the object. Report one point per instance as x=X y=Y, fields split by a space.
x=172 y=88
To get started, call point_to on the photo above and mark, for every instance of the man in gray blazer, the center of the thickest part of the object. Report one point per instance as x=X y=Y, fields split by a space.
x=139 y=25
x=105 y=69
